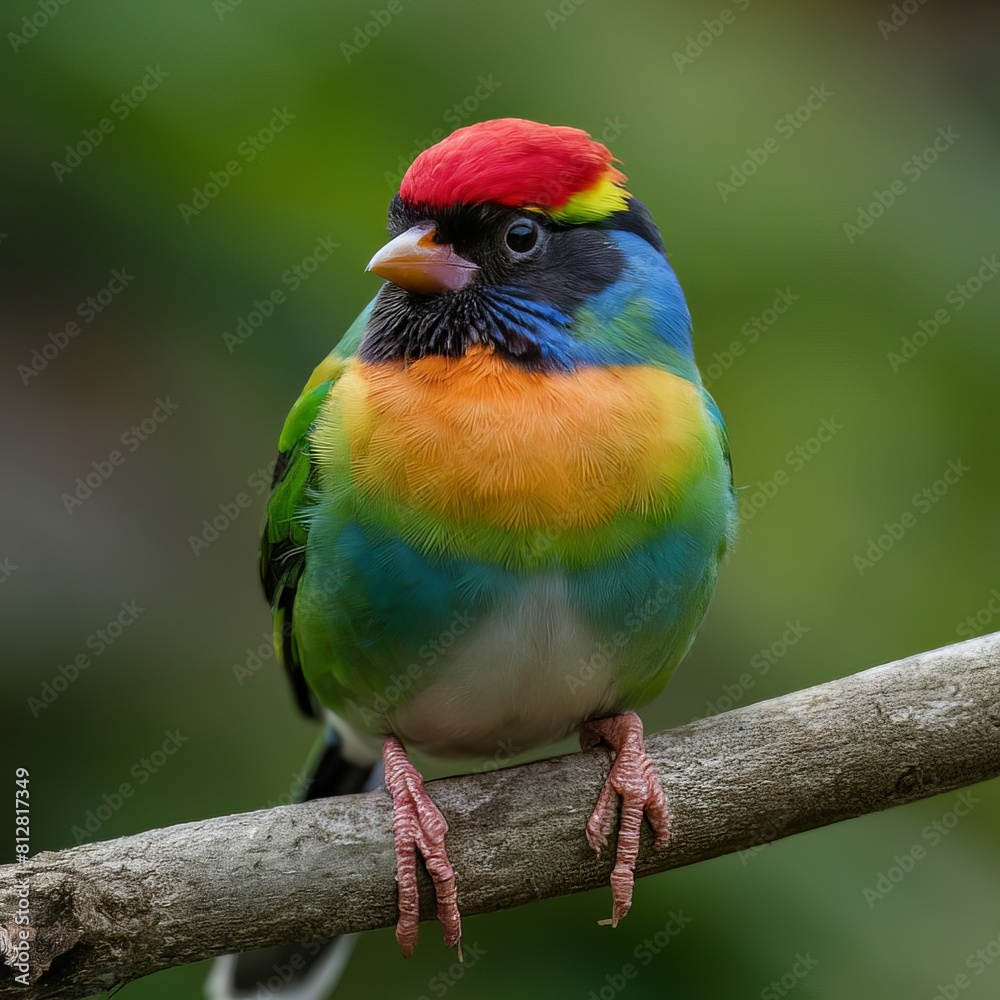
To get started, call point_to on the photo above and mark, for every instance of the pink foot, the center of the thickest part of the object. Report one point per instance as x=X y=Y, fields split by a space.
x=417 y=824
x=634 y=778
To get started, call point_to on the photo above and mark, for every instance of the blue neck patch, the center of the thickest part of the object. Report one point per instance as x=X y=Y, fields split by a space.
x=640 y=319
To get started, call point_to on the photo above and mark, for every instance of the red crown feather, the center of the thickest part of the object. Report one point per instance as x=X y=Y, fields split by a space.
x=513 y=162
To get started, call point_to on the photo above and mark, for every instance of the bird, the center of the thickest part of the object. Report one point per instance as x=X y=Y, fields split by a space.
x=501 y=502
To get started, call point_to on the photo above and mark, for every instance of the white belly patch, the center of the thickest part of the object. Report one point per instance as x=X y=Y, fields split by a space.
x=512 y=681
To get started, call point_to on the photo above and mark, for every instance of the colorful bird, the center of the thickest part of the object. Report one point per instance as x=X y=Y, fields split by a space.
x=501 y=501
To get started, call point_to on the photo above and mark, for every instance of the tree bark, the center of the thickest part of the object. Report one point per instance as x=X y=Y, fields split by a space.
x=106 y=913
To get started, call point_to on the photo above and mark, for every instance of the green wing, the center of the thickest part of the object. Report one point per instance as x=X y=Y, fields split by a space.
x=723 y=434
x=284 y=535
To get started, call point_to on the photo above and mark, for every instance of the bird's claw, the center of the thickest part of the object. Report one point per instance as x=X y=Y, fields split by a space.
x=418 y=825
x=632 y=777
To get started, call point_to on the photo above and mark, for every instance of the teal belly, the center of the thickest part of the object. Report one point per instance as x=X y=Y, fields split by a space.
x=439 y=650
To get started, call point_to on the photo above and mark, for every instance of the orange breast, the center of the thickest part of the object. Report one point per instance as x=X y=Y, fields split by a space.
x=477 y=439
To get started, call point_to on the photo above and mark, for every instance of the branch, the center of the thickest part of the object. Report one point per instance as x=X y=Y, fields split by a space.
x=107 y=913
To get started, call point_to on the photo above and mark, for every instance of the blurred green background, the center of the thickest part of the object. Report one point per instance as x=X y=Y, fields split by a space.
x=683 y=104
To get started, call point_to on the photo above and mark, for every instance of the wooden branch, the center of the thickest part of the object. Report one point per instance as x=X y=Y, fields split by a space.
x=107 y=913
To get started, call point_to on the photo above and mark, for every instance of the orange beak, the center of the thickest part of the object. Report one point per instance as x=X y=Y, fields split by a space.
x=415 y=262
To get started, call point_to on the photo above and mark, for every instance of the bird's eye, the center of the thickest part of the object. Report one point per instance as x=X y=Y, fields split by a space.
x=522 y=236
